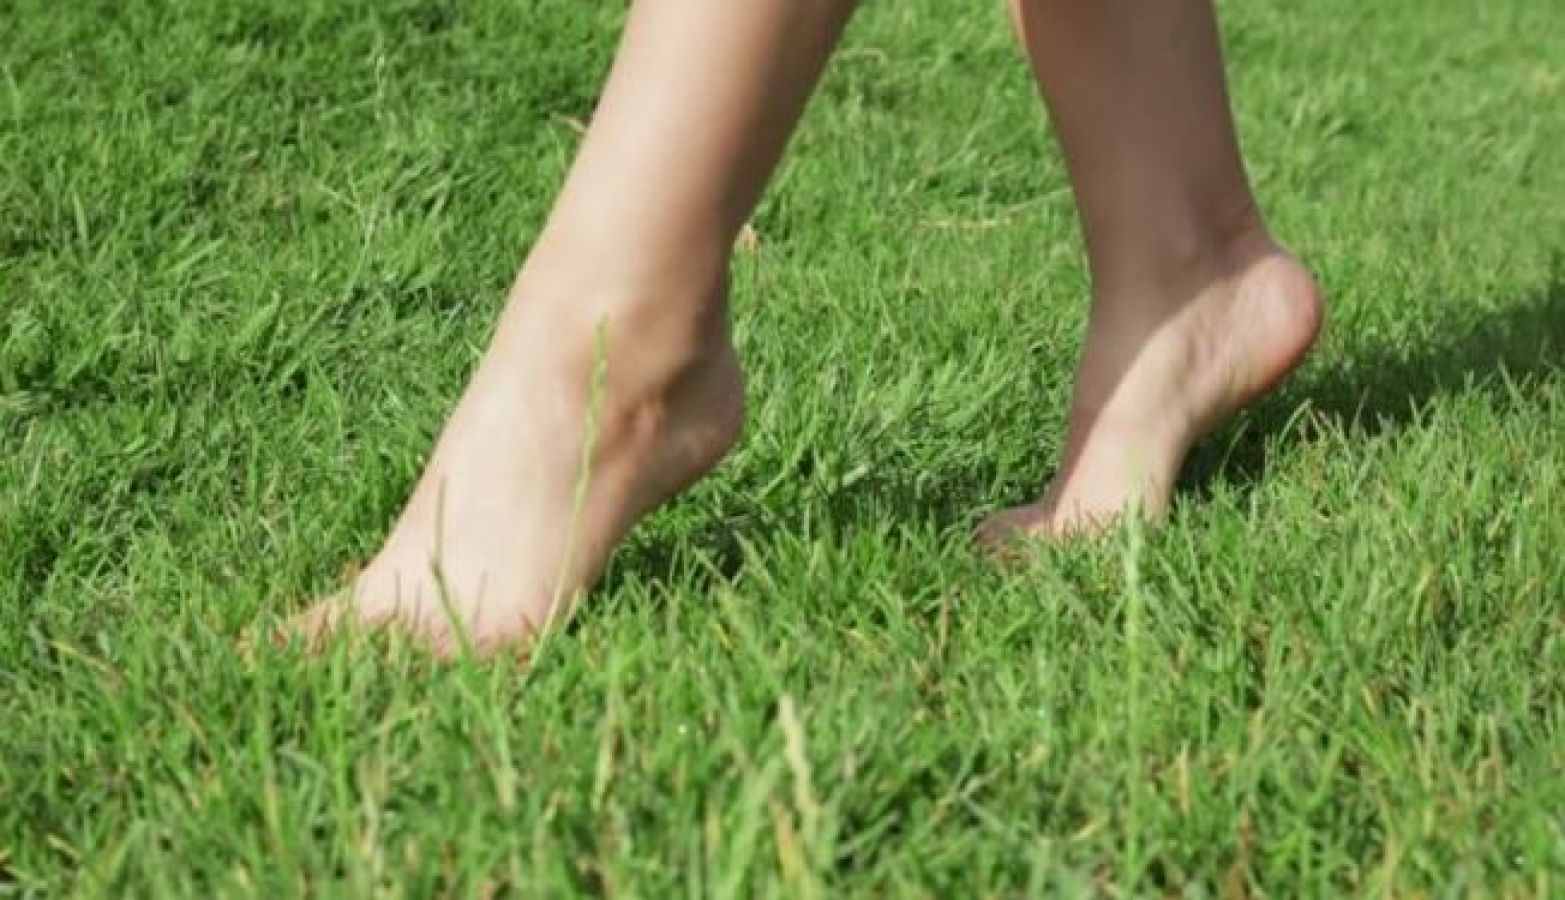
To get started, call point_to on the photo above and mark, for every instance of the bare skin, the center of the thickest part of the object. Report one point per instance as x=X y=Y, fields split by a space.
x=611 y=383
x=499 y=539
x=1196 y=311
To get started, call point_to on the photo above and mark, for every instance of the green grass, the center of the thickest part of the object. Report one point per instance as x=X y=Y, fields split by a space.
x=249 y=250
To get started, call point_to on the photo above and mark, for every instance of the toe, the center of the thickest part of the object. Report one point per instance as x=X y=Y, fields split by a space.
x=313 y=627
x=482 y=639
x=1005 y=533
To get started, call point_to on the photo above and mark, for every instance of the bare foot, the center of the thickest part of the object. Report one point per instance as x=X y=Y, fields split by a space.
x=569 y=432
x=1148 y=389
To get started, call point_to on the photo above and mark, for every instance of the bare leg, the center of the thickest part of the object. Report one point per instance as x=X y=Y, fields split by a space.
x=1196 y=312
x=630 y=272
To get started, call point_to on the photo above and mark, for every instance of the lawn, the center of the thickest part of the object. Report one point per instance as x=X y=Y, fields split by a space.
x=249 y=250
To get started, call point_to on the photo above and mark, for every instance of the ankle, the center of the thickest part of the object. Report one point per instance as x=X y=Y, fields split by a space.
x=611 y=258
x=579 y=298
x=1176 y=258
x=642 y=351
x=672 y=397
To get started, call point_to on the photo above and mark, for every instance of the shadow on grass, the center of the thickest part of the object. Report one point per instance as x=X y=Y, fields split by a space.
x=1381 y=388
x=1378 y=389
